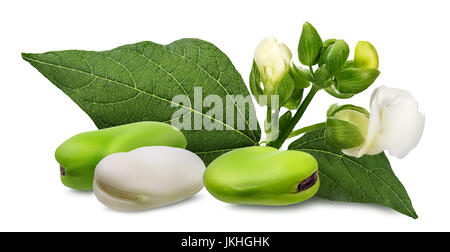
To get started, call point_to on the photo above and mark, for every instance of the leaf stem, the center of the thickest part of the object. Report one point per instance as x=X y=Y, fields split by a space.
x=307 y=129
x=301 y=110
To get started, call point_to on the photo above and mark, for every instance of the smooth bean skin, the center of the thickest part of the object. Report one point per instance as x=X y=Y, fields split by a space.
x=261 y=175
x=148 y=177
x=79 y=155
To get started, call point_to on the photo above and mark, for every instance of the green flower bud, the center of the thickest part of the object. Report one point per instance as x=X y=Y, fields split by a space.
x=346 y=126
x=366 y=55
x=354 y=76
x=309 y=46
x=326 y=47
x=355 y=80
x=334 y=56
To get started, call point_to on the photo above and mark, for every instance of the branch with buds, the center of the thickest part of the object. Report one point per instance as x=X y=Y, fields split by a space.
x=394 y=123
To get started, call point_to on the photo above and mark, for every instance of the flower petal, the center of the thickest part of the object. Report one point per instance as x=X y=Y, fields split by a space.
x=403 y=126
x=395 y=124
x=370 y=146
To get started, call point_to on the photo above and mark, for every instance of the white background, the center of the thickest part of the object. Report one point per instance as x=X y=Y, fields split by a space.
x=411 y=37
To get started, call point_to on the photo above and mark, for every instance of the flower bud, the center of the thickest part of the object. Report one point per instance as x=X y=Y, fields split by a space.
x=273 y=61
x=309 y=46
x=346 y=126
x=335 y=55
x=356 y=75
x=355 y=80
x=366 y=55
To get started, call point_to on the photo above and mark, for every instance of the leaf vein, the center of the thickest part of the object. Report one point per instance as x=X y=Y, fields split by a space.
x=218 y=82
x=370 y=171
x=141 y=91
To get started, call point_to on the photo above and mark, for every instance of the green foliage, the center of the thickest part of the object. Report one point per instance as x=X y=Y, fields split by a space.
x=137 y=82
x=285 y=119
x=333 y=109
x=333 y=92
x=300 y=82
x=294 y=100
x=285 y=88
x=322 y=75
x=342 y=134
x=368 y=179
x=303 y=74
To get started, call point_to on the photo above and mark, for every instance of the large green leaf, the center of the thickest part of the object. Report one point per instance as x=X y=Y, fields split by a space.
x=368 y=179
x=137 y=82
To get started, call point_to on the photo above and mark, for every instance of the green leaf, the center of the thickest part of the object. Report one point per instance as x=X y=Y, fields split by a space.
x=296 y=96
x=301 y=78
x=368 y=179
x=332 y=109
x=346 y=125
x=137 y=82
x=322 y=74
x=355 y=80
x=285 y=88
x=255 y=82
x=348 y=64
x=342 y=134
x=336 y=108
x=294 y=100
x=303 y=73
x=335 y=56
x=309 y=46
x=284 y=120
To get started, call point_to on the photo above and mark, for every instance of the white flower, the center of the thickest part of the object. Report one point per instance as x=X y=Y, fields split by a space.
x=273 y=60
x=395 y=124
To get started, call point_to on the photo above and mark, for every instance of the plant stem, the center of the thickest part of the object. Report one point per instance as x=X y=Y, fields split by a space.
x=307 y=129
x=301 y=110
x=269 y=115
